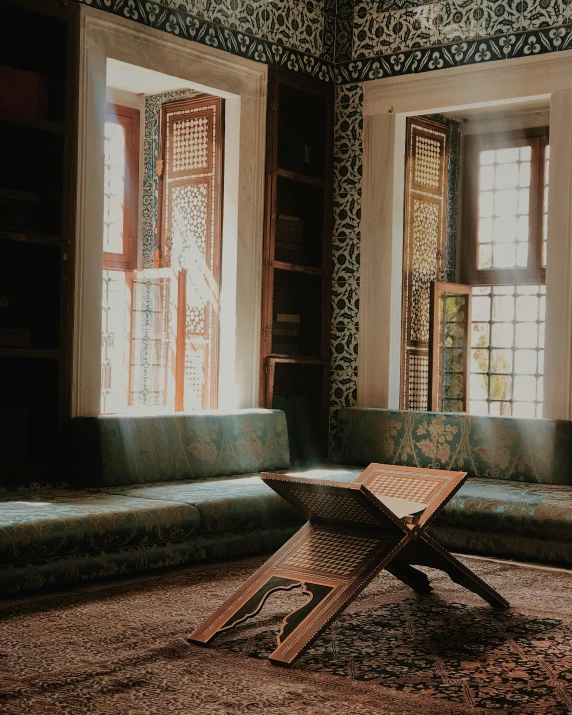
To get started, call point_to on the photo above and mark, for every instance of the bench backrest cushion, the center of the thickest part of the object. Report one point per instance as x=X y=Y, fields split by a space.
x=525 y=450
x=116 y=449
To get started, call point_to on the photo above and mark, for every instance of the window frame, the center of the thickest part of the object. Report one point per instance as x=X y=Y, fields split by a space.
x=535 y=273
x=129 y=118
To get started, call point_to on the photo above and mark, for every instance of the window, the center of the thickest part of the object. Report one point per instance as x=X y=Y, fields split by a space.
x=120 y=226
x=160 y=324
x=121 y=187
x=506 y=208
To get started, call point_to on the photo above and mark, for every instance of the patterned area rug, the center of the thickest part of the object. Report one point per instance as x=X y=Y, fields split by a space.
x=119 y=648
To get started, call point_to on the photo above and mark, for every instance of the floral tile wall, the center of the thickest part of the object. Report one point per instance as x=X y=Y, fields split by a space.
x=346 y=249
x=393 y=37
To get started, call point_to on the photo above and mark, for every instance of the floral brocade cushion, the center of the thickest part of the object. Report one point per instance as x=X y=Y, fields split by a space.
x=508 y=448
x=117 y=449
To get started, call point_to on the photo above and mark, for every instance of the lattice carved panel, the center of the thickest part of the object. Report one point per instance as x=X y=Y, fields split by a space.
x=189 y=224
x=329 y=552
x=191 y=234
x=427 y=167
x=425 y=239
x=423 y=250
x=333 y=506
x=191 y=144
x=418 y=382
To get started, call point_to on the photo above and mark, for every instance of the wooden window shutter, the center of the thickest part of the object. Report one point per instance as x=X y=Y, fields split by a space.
x=450 y=347
x=190 y=238
x=425 y=226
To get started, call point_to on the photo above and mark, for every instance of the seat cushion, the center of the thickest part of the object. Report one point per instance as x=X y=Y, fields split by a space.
x=239 y=502
x=60 y=523
x=513 y=508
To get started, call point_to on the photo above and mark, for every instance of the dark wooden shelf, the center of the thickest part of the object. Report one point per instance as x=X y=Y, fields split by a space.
x=298 y=359
x=282 y=266
x=42 y=125
x=304 y=178
x=31 y=237
x=37 y=353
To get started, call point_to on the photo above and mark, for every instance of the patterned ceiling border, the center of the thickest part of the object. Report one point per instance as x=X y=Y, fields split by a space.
x=456 y=54
x=182 y=24
x=176 y=22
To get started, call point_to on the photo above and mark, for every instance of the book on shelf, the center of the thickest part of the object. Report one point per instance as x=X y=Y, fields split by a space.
x=23 y=92
x=287 y=318
x=15 y=337
x=286 y=348
x=289 y=232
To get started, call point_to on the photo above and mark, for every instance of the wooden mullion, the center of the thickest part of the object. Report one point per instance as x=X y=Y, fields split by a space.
x=129 y=119
x=181 y=343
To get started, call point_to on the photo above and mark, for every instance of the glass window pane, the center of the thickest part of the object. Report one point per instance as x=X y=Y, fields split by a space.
x=525 y=153
x=526 y=335
x=506 y=203
x=503 y=307
x=523 y=227
x=522 y=255
x=525 y=388
x=500 y=387
x=481 y=308
x=501 y=360
x=487 y=157
x=505 y=229
x=487 y=178
x=502 y=335
x=525 y=362
x=485 y=256
x=524 y=174
x=479 y=408
x=541 y=362
x=524 y=409
x=527 y=307
x=480 y=360
x=504 y=255
x=523 y=201
x=506 y=176
x=505 y=156
x=486 y=203
x=540 y=389
x=480 y=335
x=479 y=387
x=485 y=230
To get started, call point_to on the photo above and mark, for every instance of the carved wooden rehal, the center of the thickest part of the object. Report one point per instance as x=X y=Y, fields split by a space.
x=350 y=537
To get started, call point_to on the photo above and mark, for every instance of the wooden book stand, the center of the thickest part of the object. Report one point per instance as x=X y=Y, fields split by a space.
x=350 y=537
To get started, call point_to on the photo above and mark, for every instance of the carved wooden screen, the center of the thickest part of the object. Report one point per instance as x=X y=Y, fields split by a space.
x=190 y=238
x=423 y=250
x=450 y=347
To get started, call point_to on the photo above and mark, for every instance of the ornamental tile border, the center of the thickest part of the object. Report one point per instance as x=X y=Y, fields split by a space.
x=461 y=52
x=456 y=54
x=182 y=24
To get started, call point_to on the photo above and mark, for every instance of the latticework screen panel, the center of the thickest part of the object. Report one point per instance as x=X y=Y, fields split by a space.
x=191 y=236
x=423 y=251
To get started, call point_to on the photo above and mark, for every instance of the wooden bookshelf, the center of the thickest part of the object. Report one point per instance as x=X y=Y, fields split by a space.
x=297 y=260
x=38 y=120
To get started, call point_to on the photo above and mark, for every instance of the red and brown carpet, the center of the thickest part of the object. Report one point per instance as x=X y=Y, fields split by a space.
x=120 y=648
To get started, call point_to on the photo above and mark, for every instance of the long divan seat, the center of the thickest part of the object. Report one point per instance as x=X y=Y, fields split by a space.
x=170 y=490
x=517 y=501
x=151 y=492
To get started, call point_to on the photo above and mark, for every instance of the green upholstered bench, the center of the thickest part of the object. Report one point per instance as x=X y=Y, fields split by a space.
x=517 y=502
x=151 y=492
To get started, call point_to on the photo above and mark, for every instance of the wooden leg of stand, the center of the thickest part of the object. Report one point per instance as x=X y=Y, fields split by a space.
x=427 y=552
x=410 y=576
x=249 y=599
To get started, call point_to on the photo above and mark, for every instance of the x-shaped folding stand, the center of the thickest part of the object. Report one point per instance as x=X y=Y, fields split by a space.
x=350 y=537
